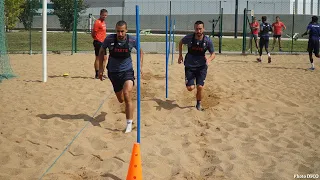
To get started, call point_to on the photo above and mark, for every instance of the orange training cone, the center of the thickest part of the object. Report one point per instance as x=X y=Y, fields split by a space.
x=135 y=168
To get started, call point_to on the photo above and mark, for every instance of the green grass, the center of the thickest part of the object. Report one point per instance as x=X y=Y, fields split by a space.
x=62 y=41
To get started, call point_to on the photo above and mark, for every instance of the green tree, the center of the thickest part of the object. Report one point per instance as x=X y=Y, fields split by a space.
x=64 y=9
x=30 y=8
x=12 y=11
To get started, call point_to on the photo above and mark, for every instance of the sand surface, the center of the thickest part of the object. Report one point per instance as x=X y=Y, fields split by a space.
x=261 y=121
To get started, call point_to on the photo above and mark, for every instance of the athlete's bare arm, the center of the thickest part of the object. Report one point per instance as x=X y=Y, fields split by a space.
x=180 y=59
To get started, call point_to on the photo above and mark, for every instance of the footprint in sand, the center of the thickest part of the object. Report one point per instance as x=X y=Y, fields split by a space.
x=147 y=76
x=289 y=103
x=13 y=171
x=76 y=150
x=262 y=138
x=97 y=143
x=210 y=156
x=306 y=143
x=4 y=159
x=275 y=133
x=62 y=124
x=38 y=161
x=200 y=124
x=159 y=77
x=270 y=125
x=224 y=147
x=241 y=124
x=208 y=171
x=313 y=161
x=216 y=141
x=116 y=107
x=228 y=127
x=303 y=169
x=166 y=151
x=270 y=167
x=186 y=143
x=232 y=156
x=274 y=148
x=288 y=143
x=256 y=158
x=259 y=119
x=227 y=167
x=117 y=164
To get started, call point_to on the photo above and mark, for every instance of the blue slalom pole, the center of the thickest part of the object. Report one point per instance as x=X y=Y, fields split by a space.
x=174 y=27
x=138 y=71
x=170 y=31
x=167 y=56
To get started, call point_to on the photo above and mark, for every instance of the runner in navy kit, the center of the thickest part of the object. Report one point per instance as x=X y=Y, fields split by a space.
x=120 y=70
x=196 y=63
x=313 y=30
x=265 y=31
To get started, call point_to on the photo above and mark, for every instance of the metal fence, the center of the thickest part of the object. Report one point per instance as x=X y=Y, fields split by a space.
x=294 y=15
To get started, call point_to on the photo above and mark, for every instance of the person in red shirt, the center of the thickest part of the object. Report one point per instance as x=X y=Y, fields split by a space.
x=255 y=31
x=99 y=33
x=278 y=26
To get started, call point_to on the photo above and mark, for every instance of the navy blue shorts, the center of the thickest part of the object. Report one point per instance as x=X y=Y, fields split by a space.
x=313 y=46
x=254 y=36
x=195 y=73
x=97 y=45
x=264 y=42
x=277 y=36
x=119 y=78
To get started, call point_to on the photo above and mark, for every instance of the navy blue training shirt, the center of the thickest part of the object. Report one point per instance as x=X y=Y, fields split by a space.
x=194 y=60
x=314 y=31
x=119 y=64
x=265 y=28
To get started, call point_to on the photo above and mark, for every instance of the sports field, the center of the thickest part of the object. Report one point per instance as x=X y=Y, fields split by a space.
x=62 y=41
x=261 y=121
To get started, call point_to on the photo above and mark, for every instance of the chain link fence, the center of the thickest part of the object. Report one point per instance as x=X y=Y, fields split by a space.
x=295 y=15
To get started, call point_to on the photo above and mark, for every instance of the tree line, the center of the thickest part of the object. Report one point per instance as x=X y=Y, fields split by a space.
x=25 y=10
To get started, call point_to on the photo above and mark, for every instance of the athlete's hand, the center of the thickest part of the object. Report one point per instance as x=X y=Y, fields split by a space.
x=207 y=61
x=180 y=59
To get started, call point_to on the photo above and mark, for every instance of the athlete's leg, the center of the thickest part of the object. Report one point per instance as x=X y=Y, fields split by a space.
x=189 y=78
x=120 y=96
x=200 y=80
x=274 y=42
x=316 y=48
x=280 y=47
x=310 y=49
x=267 y=49
x=250 y=43
x=104 y=64
x=117 y=83
x=256 y=41
x=261 y=44
x=127 y=93
x=96 y=61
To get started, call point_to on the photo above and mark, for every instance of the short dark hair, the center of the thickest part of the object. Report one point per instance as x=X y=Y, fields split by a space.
x=314 y=19
x=277 y=17
x=121 y=23
x=199 y=22
x=103 y=11
x=264 y=18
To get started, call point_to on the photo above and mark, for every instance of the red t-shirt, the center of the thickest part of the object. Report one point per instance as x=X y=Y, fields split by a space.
x=277 y=28
x=99 y=29
x=256 y=25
